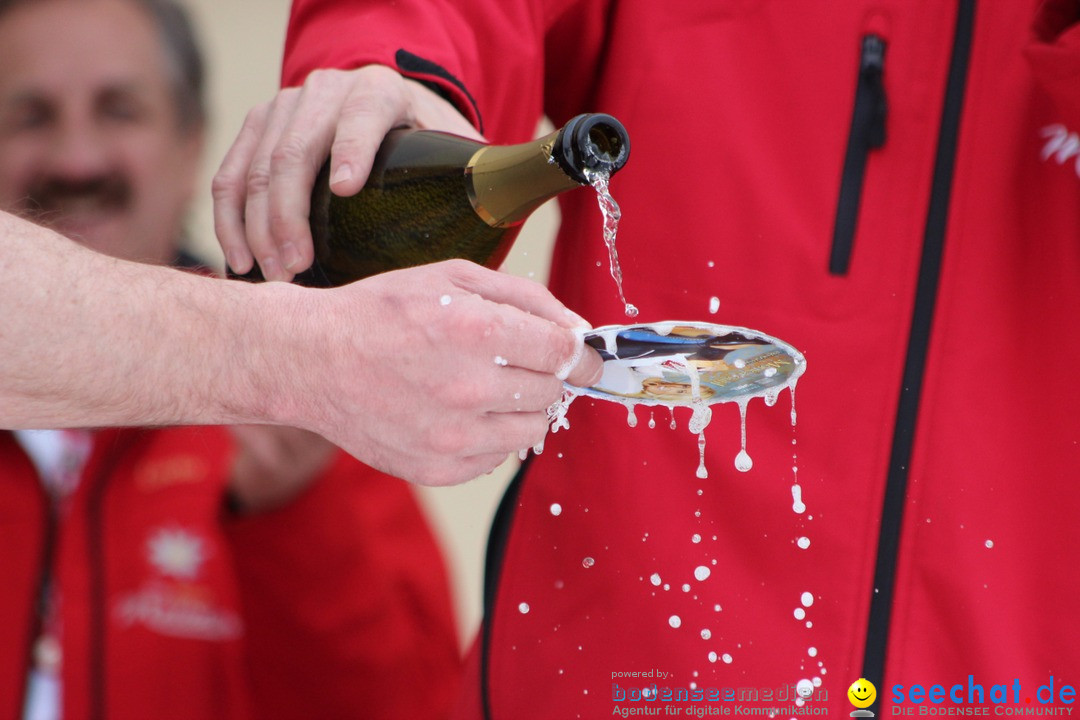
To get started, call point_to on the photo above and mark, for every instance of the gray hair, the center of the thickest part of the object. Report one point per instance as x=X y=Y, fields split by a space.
x=183 y=57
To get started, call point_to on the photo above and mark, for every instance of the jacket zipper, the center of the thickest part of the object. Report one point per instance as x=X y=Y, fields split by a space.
x=97 y=594
x=881 y=597
x=867 y=133
x=498 y=541
x=41 y=598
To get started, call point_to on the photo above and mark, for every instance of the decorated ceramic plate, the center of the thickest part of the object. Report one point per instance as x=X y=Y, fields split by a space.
x=685 y=363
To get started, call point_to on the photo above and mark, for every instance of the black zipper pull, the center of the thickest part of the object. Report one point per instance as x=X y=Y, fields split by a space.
x=867 y=133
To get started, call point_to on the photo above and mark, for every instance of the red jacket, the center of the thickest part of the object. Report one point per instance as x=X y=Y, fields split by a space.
x=910 y=221
x=172 y=608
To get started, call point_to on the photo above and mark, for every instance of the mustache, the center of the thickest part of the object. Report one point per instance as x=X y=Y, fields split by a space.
x=51 y=198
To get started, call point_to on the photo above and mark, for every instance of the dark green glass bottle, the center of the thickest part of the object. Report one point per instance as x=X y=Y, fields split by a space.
x=433 y=196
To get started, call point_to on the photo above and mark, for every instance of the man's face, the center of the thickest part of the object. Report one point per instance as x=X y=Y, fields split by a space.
x=90 y=142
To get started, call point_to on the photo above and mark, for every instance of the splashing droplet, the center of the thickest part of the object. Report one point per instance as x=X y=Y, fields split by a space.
x=743 y=462
x=796 y=499
x=702 y=471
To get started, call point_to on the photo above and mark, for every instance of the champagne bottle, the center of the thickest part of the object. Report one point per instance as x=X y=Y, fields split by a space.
x=434 y=196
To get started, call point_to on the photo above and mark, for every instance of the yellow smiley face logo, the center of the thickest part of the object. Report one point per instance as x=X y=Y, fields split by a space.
x=862 y=693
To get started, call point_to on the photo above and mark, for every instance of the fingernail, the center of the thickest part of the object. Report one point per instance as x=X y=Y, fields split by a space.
x=571 y=363
x=290 y=256
x=597 y=376
x=271 y=269
x=237 y=261
x=342 y=174
x=577 y=320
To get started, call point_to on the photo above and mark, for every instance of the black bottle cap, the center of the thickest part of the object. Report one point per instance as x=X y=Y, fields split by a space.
x=592 y=141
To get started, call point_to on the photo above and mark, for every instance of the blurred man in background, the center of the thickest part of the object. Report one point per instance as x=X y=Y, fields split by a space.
x=188 y=572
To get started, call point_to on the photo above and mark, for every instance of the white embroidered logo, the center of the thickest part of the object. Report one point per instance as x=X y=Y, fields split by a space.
x=177 y=611
x=176 y=553
x=175 y=602
x=1061 y=146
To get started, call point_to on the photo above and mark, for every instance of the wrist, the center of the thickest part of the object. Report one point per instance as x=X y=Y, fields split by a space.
x=267 y=344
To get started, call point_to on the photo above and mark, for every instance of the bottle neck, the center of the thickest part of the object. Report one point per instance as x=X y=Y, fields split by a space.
x=506 y=183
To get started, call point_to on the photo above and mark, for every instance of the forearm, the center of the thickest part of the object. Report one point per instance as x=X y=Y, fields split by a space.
x=399 y=369
x=88 y=340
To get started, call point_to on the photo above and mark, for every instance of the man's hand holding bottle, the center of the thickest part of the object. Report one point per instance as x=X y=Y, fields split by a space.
x=263 y=188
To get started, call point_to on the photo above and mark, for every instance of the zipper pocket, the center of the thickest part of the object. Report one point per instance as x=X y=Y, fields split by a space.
x=867 y=133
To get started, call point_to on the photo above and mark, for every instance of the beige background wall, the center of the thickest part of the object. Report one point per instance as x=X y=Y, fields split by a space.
x=242 y=40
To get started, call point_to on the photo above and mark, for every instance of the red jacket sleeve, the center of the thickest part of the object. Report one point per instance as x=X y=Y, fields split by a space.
x=346 y=602
x=486 y=56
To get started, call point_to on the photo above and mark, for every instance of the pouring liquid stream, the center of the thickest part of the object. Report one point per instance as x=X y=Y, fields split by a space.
x=611 y=212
